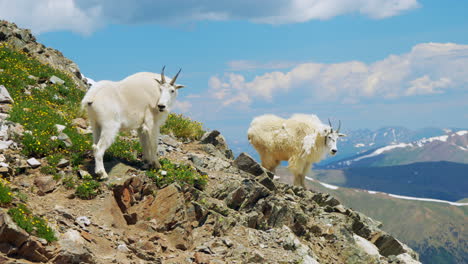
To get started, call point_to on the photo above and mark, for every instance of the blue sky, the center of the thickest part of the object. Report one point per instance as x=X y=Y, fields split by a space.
x=369 y=63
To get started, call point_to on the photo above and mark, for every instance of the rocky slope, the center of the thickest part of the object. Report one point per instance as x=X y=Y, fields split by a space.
x=243 y=216
x=23 y=40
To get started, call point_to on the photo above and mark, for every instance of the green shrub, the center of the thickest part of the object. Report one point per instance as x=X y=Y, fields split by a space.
x=182 y=127
x=69 y=182
x=6 y=196
x=32 y=224
x=179 y=173
x=88 y=189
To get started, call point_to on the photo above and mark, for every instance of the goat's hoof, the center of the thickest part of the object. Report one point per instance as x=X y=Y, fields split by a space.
x=102 y=175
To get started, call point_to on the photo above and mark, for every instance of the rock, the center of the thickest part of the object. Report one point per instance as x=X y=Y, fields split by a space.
x=170 y=141
x=5 y=95
x=82 y=221
x=63 y=163
x=6 y=144
x=84 y=174
x=45 y=184
x=366 y=245
x=388 y=245
x=167 y=208
x=246 y=163
x=60 y=128
x=72 y=250
x=80 y=122
x=56 y=80
x=10 y=233
x=216 y=139
x=123 y=248
x=34 y=163
x=267 y=182
x=65 y=139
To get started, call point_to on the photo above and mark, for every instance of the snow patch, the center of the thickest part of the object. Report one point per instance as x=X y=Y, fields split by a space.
x=359 y=145
x=382 y=150
x=462 y=132
x=329 y=186
x=372 y=192
x=425 y=199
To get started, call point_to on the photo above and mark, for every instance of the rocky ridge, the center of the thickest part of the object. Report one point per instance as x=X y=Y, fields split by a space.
x=242 y=216
x=23 y=40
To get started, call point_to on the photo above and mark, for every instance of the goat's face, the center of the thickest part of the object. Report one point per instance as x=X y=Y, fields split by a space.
x=331 y=138
x=167 y=91
x=168 y=94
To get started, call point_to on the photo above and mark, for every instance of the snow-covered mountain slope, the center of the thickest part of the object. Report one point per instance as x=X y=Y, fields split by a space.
x=450 y=147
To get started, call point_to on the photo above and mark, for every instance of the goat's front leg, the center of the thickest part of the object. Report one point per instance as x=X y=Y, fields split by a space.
x=153 y=148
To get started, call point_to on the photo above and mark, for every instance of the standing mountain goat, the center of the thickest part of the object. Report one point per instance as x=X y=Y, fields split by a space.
x=301 y=140
x=141 y=101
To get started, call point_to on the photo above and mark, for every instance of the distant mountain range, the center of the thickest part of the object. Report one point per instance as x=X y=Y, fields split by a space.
x=452 y=147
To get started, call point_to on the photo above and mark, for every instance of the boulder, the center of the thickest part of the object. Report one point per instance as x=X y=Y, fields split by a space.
x=5 y=96
x=246 y=163
x=218 y=141
x=45 y=184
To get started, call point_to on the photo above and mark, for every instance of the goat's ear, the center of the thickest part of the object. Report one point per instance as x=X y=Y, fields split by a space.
x=342 y=135
x=160 y=82
x=178 y=86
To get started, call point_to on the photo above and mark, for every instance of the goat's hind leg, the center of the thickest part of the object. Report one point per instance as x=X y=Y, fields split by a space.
x=105 y=140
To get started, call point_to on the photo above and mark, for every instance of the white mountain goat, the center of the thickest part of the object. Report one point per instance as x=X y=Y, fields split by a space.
x=301 y=140
x=141 y=101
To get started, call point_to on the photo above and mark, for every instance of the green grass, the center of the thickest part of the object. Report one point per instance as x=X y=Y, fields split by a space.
x=87 y=188
x=30 y=223
x=182 y=127
x=40 y=109
x=178 y=173
x=6 y=196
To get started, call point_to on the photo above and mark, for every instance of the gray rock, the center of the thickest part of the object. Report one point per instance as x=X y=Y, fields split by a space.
x=5 y=95
x=388 y=245
x=216 y=139
x=34 y=163
x=65 y=139
x=45 y=184
x=63 y=163
x=246 y=163
x=82 y=221
x=6 y=144
x=72 y=251
x=56 y=80
x=170 y=141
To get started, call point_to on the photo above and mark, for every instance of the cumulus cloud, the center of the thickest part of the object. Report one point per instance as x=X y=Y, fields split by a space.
x=85 y=16
x=182 y=106
x=51 y=15
x=429 y=68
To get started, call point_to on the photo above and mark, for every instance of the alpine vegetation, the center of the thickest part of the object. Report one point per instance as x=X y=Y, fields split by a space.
x=301 y=140
x=141 y=101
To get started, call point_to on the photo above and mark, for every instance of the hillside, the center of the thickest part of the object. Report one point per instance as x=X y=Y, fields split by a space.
x=436 y=230
x=200 y=207
x=437 y=180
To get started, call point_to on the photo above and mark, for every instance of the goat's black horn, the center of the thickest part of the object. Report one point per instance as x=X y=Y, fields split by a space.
x=175 y=77
x=163 y=80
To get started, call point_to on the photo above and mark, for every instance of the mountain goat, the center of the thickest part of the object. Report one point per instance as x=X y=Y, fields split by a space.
x=141 y=101
x=301 y=140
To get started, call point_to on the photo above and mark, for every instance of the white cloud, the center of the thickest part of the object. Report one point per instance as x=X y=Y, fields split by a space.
x=51 y=15
x=429 y=68
x=182 y=106
x=84 y=16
